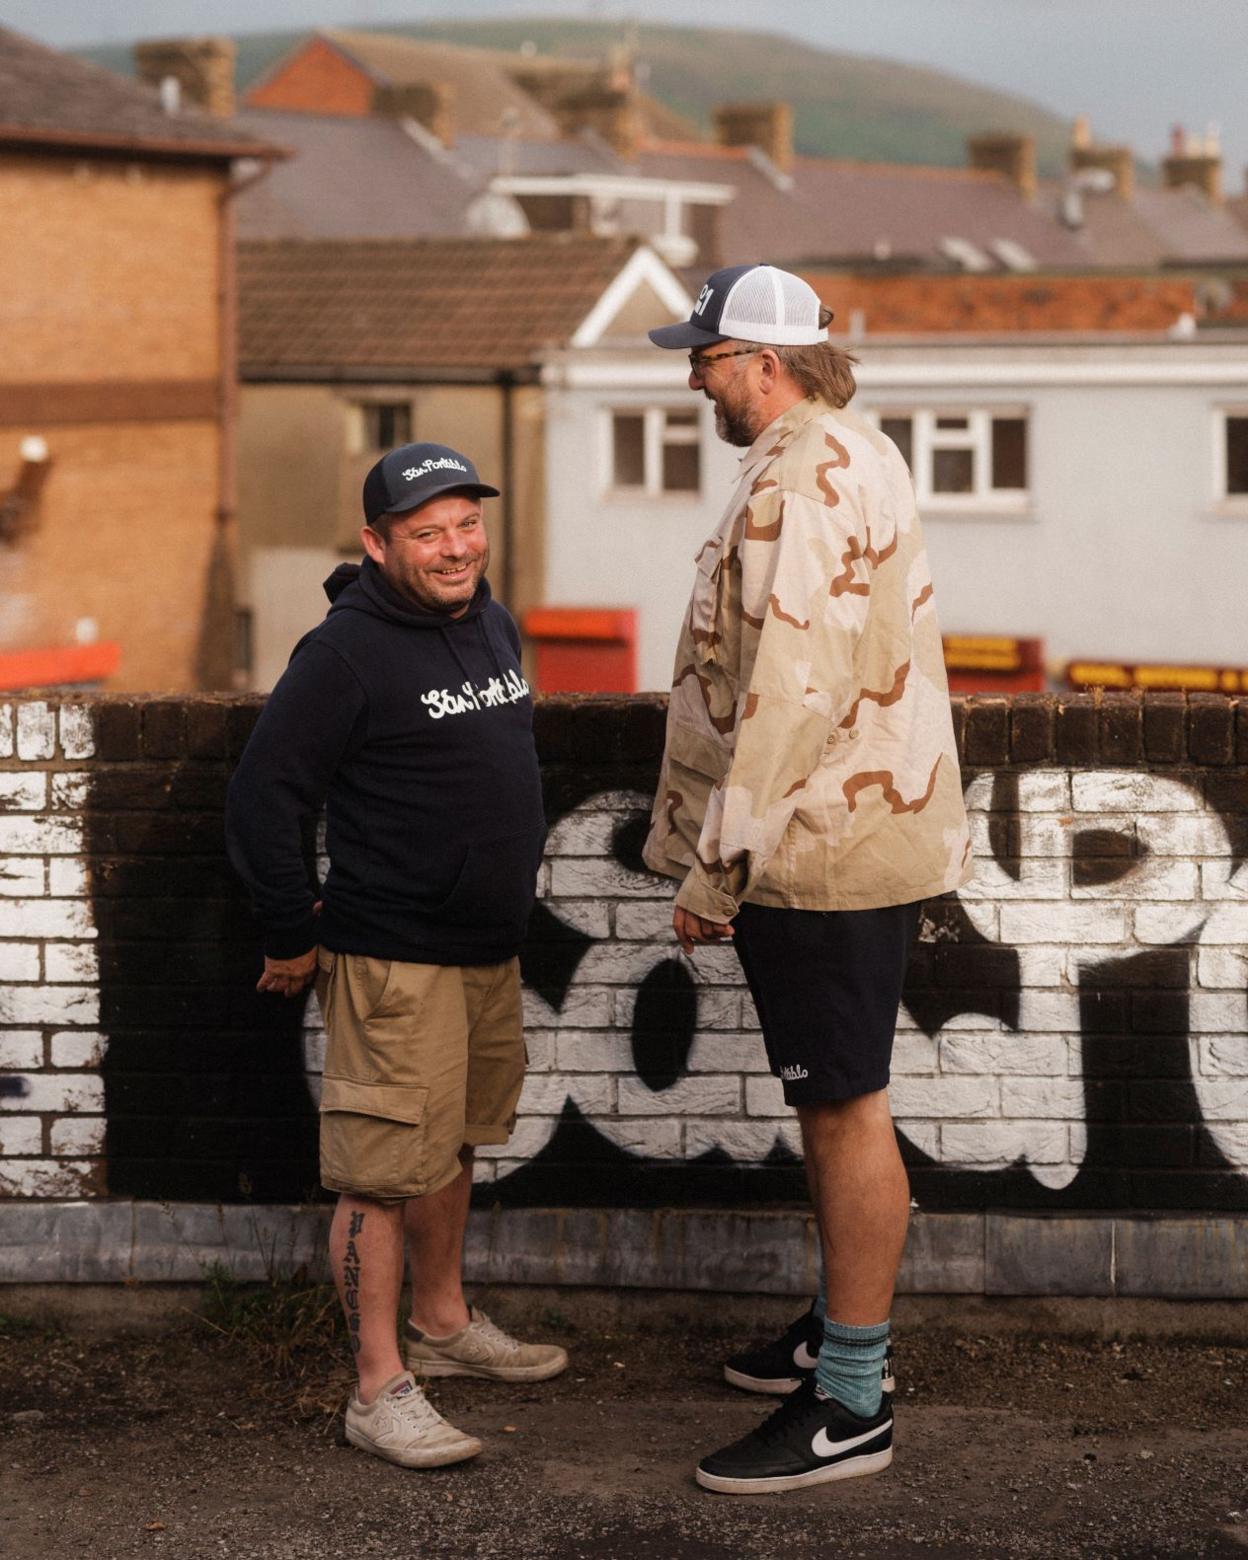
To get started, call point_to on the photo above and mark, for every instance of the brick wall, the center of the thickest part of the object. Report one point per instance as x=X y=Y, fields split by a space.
x=111 y=318
x=1073 y=1036
x=988 y=305
x=317 y=79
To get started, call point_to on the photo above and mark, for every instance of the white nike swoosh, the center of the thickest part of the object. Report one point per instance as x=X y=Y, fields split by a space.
x=822 y=1447
x=803 y=1358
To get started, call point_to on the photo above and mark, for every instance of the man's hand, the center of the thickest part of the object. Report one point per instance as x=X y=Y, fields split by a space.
x=691 y=929
x=288 y=977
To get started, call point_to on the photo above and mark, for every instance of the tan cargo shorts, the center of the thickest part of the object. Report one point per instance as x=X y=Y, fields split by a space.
x=420 y=1059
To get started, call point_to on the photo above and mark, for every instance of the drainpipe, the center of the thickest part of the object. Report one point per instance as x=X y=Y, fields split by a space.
x=507 y=384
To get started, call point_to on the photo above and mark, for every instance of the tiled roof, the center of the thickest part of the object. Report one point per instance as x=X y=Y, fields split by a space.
x=329 y=307
x=384 y=184
x=51 y=99
x=1004 y=305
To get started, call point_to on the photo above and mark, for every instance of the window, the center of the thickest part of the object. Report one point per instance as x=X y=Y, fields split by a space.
x=962 y=458
x=1234 y=454
x=655 y=449
x=387 y=424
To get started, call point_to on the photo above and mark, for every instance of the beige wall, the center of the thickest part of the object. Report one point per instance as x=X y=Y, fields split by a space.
x=115 y=276
x=110 y=322
x=124 y=536
x=301 y=467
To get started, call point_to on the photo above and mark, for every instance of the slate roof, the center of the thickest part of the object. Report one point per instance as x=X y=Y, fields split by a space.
x=53 y=100
x=350 y=178
x=320 y=309
x=484 y=92
x=488 y=100
x=1155 y=227
x=837 y=210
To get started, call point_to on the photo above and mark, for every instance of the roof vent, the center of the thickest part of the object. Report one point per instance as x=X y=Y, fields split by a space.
x=1012 y=255
x=962 y=252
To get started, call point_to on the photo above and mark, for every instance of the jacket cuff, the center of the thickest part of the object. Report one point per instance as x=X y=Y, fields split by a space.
x=289 y=942
x=702 y=898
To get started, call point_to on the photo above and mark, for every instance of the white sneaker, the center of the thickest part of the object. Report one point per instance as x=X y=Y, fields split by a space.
x=481 y=1349
x=402 y=1425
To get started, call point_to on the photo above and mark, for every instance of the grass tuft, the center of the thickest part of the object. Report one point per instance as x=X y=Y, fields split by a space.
x=291 y=1331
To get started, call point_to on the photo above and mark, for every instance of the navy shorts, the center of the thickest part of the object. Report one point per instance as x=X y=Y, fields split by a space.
x=827 y=984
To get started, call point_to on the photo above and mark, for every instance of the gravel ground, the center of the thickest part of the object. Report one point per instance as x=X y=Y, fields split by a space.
x=189 y=1444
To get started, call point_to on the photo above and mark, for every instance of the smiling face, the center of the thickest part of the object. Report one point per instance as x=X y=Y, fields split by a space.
x=434 y=555
x=729 y=384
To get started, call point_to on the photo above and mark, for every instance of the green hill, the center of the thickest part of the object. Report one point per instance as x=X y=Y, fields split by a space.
x=844 y=105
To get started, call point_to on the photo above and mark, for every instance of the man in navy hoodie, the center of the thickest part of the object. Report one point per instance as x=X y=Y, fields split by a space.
x=406 y=714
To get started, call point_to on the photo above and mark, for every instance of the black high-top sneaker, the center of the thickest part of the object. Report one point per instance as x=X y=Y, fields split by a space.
x=781 y=1366
x=808 y=1440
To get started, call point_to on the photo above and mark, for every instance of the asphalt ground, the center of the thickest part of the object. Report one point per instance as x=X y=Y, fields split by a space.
x=150 y=1430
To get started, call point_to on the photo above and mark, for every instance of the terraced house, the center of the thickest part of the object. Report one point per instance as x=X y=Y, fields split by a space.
x=117 y=383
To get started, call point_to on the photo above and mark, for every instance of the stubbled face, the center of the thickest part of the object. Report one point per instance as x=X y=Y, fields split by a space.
x=436 y=555
x=726 y=383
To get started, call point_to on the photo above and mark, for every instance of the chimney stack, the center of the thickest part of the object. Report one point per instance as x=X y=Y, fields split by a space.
x=1116 y=160
x=610 y=112
x=202 y=67
x=1007 y=153
x=768 y=126
x=1194 y=161
x=429 y=103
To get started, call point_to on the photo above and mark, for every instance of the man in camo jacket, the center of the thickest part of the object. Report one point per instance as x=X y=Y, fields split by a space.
x=809 y=800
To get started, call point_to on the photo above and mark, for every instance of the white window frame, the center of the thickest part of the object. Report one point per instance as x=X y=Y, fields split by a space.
x=926 y=439
x=1233 y=503
x=656 y=433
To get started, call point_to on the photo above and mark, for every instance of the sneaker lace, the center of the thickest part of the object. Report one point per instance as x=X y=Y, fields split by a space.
x=491 y=1332
x=416 y=1409
x=776 y=1425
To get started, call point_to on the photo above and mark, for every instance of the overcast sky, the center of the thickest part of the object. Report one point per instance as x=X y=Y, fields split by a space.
x=1136 y=66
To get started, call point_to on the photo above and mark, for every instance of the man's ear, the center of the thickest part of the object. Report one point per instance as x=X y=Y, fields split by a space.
x=770 y=366
x=374 y=546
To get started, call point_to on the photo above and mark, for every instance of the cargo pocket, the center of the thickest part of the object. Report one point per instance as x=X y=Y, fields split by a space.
x=373 y=1138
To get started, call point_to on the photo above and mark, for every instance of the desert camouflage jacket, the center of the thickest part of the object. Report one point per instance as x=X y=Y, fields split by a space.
x=810 y=757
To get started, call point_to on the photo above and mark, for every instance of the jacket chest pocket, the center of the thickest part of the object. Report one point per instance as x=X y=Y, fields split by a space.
x=714 y=613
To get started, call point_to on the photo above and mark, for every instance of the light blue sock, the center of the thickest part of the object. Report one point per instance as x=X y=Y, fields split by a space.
x=851 y=1364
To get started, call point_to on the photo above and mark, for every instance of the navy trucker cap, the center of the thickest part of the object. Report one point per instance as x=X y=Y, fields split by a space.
x=750 y=303
x=410 y=476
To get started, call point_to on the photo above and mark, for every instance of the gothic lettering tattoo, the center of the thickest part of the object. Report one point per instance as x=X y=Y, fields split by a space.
x=351 y=1281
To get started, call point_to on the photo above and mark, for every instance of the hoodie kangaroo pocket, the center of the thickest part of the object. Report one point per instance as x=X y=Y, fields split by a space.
x=496 y=885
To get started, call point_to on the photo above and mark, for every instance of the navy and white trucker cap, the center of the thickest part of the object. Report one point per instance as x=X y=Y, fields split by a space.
x=750 y=303
x=410 y=476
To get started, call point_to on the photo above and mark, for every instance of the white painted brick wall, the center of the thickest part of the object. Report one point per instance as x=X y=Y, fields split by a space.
x=19 y=961
x=977 y=1093
x=23 y=792
x=21 y=1050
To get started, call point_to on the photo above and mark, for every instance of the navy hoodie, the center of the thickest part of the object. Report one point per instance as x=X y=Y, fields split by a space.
x=416 y=731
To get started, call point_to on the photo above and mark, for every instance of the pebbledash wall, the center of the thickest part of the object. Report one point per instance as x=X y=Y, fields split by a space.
x=1070 y=1075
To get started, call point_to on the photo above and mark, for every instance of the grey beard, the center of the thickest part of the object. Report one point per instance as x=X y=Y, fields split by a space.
x=732 y=427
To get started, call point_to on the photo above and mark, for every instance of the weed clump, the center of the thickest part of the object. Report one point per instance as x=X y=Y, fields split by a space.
x=289 y=1329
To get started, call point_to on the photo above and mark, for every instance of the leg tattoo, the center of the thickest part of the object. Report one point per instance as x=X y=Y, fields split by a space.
x=351 y=1281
